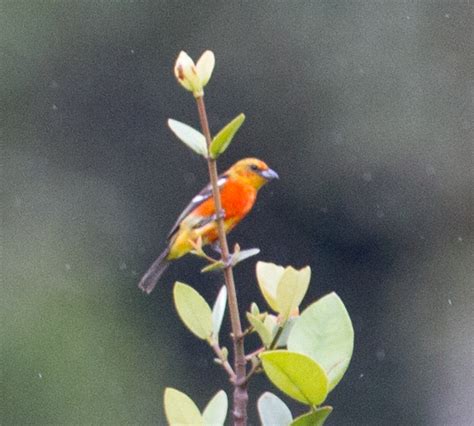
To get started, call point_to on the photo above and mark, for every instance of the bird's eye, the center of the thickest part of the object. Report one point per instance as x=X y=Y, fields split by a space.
x=254 y=167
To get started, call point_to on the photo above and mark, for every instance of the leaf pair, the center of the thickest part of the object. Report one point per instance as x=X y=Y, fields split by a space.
x=320 y=345
x=324 y=333
x=264 y=325
x=235 y=258
x=283 y=288
x=197 y=142
x=181 y=410
x=191 y=76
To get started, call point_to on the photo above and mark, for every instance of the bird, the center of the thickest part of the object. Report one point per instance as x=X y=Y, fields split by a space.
x=238 y=188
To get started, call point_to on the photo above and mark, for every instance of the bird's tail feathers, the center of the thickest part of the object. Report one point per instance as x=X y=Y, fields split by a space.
x=151 y=277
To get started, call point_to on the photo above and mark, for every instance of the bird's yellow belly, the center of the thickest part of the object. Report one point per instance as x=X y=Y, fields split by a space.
x=185 y=238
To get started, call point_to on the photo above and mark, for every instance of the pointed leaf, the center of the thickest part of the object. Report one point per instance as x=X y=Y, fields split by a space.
x=296 y=375
x=324 y=332
x=216 y=266
x=254 y=309
x=180 y=409
x=273 y=411
x=291 y=290
x=222 y=140
x=216 y=410
x=193 y=310
x=244 y=254
x=264 y=333
x=191 y=137
x=218 y=312
x=268 y=277
x=315 y=418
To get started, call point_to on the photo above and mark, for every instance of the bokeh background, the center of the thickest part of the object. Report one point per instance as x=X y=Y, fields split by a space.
x=364 y=108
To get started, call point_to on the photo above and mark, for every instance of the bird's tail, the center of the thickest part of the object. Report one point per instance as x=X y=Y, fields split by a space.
x=151 y=277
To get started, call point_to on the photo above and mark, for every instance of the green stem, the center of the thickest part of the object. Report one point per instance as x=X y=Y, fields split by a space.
x=240 y=363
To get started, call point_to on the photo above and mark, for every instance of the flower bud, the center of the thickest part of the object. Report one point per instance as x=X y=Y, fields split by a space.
x=194 y=77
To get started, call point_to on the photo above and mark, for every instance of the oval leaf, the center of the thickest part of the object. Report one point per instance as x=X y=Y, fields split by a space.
x=291 y=290
x=191 y=137
x=273 y=411
x=216 y=410
x=193 y=310
x=324 y=332
x=315 y=418
x=296 y=375
x=218 y=312
x=268 y=277
x=222 y=140
x=180 y=409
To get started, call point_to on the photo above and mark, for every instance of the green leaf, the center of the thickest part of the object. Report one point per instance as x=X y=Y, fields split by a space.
x=283 y=339
x=324 y=332
x=296 y=375
x=291 y=290
x=193 y=310
x=273 y=411
x=264 y=332
x=218 y=312
x=222 y=140
x=216 y=410
x=216 y=266
x=244 y=254
x=315 y=418
x=191 y=137
x=268 y=277
x=271 y=324
x=180 y=409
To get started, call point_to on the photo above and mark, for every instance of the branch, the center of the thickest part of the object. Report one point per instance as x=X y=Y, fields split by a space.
x=240 y=386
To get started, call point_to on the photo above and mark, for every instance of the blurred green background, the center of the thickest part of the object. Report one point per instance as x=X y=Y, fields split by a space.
x=363 y=108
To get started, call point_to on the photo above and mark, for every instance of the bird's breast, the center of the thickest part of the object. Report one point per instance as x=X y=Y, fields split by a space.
x=237 y=199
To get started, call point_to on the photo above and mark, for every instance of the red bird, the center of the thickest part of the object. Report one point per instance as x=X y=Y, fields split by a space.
x=238 y=187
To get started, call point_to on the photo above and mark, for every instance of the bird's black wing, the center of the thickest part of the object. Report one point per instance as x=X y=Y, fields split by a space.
x=197 y=200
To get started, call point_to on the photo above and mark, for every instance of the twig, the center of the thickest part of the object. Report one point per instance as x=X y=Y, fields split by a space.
x=224 y=362
x=249 y=356
x=240 y=386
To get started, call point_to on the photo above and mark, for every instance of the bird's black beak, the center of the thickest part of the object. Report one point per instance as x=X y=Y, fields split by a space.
x=269 y=174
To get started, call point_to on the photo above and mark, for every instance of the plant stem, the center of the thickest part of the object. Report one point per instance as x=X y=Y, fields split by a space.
x=240 y=367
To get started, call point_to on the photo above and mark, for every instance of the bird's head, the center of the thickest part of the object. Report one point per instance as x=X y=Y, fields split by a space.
x=252 y=171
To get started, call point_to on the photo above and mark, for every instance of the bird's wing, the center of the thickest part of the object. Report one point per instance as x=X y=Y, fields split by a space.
x=198 y=199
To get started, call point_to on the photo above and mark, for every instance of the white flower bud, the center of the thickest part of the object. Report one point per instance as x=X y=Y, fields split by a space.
x=194 y=77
